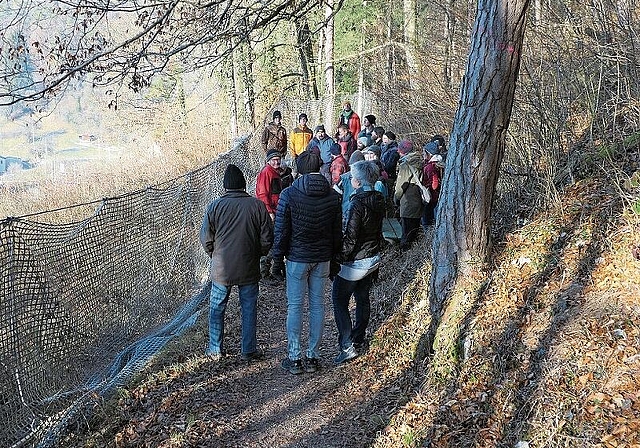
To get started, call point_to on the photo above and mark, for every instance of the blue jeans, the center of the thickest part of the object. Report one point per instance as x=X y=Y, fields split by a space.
x=349 y=333
x=303 y=277
x=218 y=304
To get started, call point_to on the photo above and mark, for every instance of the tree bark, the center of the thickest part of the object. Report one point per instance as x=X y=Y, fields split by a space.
x=409 y=12
x=329 y=77
x=462 y=238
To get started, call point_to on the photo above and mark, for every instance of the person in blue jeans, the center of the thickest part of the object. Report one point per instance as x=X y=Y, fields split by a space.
x=235 y=232
x=359 y=259
x=307 y=232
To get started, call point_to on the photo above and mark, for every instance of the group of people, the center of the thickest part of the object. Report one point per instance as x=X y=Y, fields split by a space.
x=319 y=219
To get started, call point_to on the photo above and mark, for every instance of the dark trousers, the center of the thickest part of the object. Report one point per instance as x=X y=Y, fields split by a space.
x=349 y=333
x=410 y=230
x=429 y=215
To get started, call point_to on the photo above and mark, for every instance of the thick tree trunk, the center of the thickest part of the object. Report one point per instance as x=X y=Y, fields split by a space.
x=462 y=238
x=329 y=78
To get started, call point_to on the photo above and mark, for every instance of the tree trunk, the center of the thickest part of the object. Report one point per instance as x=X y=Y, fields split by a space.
x=449 y=49
x=462 y=239
x=249 y=83
x=233 y=99
x=409 y=12
x=328 y=68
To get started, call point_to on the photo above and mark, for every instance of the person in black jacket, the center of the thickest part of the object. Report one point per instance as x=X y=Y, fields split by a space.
x=235 y=232
x=308 y=234
x=360 y=259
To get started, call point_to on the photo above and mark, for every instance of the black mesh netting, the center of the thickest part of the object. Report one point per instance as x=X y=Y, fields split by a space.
x=85 y=304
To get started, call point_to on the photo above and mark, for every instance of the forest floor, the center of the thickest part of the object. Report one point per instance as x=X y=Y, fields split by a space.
x=542 y=350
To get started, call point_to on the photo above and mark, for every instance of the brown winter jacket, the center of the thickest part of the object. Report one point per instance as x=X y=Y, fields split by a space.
x=274 y=136
x=236 y=231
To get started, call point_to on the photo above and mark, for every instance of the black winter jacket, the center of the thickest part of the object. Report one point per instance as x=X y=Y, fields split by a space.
x=308 y=220
x=363 y=231
x=389 y=159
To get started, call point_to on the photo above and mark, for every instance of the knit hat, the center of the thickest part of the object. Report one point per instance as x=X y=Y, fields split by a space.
x=374 y=149
x=277 y=114
x=308 y=162
x=389 y=135
x=273 y=153
x=357 y=156
x=319 y=128
x=371 y=119
x=233 y=178
x=405 y=147
x=432 y=148
x=364 y=141
x=336 y=149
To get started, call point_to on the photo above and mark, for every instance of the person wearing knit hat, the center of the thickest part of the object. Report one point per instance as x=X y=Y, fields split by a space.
x=308 y=234
x=389 y=156
x=269 y=185
x=274 y=135
x=300 y=137
x=349 y=117
x=363 y=142
x=405 y=147
x=321 y=144
x=368 y=125
x=432 y=173
x=235 y=232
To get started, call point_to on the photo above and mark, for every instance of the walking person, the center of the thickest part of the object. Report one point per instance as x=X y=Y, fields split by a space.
x=235 y=232
x=360 y=259
x=308 y=234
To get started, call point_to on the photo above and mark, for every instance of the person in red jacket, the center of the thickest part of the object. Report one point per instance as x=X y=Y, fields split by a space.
x=349 y=117
x=268 y=188
x=432 y=179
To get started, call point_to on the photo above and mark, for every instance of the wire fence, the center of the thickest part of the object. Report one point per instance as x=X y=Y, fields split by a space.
x=84 y=305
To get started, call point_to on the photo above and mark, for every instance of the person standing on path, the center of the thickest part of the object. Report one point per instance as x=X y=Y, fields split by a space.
x=235 y=232
x=360 y=259
x=349 y=117
x=300 y=138
x=307 y=232
x=274 y=135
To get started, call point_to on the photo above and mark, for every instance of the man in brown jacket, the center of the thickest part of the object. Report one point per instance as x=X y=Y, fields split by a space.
x=236 y=231
x=274 y=135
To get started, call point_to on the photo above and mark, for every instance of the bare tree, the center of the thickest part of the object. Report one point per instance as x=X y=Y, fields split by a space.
x=127 y=42
x=462 y=240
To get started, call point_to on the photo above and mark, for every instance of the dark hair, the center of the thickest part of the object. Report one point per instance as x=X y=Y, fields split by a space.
x=438 y=138
x=379 y=130
x=390 y=134
x=301 y=116
x=371 y=119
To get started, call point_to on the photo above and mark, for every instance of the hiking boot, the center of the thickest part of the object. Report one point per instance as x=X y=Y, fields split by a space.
x=346 y=355
x=311 y=365
x=294 y=367
x=253 y=356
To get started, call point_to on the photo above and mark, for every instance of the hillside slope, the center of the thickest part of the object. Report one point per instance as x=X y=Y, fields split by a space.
x=542 y=351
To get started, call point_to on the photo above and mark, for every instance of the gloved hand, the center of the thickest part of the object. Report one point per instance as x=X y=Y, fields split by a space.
x=334 y=268
x=278 y=270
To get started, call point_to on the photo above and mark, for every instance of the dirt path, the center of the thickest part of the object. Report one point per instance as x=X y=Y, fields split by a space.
x=192 y=401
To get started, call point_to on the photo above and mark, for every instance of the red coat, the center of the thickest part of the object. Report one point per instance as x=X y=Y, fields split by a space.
x=339 y=166
x=353 y=122
x=268 y=187
x=431 y=179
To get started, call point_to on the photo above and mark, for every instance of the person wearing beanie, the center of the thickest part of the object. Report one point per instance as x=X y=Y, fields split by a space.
x=236 y=231
x=376 y=135
x=308 y=235
x=350 y=118
x=359 y=260
x=274 y=135
x=432 y=173
x=407 y=193
x=372 y=153
x=363 y=142
x=356 y=157
x=321 y=144
x=369 y=124
x=300 y=137
x=338 y=165
x=268 y=188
